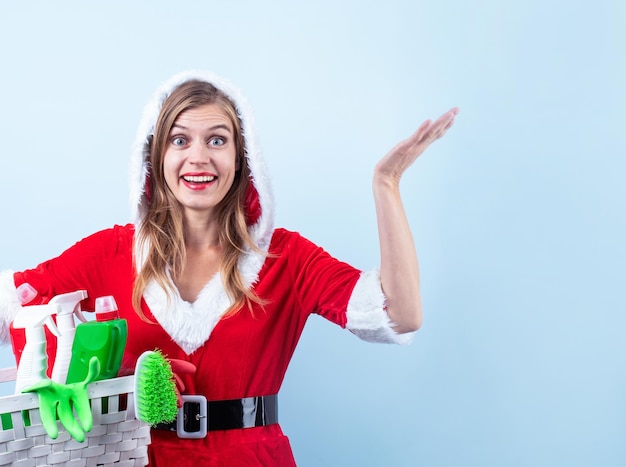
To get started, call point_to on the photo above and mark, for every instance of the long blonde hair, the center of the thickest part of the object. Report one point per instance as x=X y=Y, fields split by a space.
x=161 y=232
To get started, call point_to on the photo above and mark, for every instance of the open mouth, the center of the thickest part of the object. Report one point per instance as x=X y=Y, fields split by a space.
x=198 y=178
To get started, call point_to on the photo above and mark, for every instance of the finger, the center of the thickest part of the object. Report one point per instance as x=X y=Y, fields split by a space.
x=83 y=410
x=447 y=127
x=443 y=123
x=179 y=382
x=94 y=370
x=416 y=137
x=39 y=387
x=182 y=366
x=179 y=398
x=424 y=126
x=445 y=120
x=48 y=413
x=448 y=116
x=66 y=416
x=426 y=133
x=179 y=386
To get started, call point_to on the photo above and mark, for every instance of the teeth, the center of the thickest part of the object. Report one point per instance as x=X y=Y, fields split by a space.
x=198 y=178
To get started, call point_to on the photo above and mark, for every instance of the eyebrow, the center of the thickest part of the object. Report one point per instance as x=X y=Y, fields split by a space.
x=221 y=126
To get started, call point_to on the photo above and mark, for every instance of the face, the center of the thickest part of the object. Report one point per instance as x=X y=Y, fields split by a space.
x=200 y=159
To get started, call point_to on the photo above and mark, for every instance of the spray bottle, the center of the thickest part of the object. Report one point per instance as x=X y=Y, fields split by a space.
x=26 y=295
x=104 y=338
x=34 y=361
x=69 y=305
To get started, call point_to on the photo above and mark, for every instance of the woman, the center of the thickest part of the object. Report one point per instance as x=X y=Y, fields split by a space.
x=203 y=274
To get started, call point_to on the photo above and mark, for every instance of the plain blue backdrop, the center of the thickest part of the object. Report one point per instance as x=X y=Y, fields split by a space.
x=518 y=214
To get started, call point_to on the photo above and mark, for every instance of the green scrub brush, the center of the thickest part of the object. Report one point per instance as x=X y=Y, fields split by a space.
x=155 y=389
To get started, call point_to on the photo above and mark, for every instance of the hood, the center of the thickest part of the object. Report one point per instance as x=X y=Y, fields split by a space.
x=190 y=324
x=259 y=201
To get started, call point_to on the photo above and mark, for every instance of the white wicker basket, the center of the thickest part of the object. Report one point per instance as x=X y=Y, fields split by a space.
x=116 y=439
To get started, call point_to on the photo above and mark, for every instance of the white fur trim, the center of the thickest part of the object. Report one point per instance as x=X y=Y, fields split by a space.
x=9 y=304
x=190 y=324
x=367 y=317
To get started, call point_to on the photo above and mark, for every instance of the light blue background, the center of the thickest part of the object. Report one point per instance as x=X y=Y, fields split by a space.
x=518 y=214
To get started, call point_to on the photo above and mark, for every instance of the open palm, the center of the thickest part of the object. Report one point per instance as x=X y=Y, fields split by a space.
x=398 y=159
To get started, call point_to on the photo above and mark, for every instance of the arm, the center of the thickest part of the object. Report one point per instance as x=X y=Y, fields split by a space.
x=93 y=264
x=399 y=270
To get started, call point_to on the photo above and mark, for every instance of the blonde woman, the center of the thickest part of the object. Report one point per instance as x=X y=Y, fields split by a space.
x=205 y=276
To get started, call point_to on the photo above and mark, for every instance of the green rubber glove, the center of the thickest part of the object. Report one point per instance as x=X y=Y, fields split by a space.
x=62 y=399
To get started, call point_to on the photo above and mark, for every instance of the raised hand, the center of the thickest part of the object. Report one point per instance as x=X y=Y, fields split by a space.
x=399 y=269
x=397 y=160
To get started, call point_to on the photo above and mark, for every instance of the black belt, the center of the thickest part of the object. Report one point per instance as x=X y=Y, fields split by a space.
x=197 y=415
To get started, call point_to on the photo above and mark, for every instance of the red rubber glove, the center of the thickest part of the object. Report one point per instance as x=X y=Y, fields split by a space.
x=181 y=367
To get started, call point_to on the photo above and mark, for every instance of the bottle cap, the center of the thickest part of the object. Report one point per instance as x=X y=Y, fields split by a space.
x=26 y=293
x=106 y=308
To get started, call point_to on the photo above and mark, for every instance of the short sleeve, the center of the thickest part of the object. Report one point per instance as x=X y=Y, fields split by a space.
x=91 y=264
x=342 y=294
x=366 y=314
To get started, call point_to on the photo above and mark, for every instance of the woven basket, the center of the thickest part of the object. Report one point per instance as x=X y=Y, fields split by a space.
x=116 y=439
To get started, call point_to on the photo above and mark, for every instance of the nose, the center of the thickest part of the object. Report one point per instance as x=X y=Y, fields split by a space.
x=199 y=154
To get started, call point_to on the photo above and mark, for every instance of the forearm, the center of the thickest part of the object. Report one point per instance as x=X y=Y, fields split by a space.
x=399 y=268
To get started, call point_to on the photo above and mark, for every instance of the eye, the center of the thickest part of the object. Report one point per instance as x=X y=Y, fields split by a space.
x=179 y=141
x=217 y=141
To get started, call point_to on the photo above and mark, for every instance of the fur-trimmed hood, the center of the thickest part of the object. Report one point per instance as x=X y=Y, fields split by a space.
x=190 y=324
x=262 y=227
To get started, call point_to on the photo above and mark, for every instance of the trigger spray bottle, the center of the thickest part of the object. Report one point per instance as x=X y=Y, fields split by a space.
x=104 y=338
x=34 y=360
x=69 y=306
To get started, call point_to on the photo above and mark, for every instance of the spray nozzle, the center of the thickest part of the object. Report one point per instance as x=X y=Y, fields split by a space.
x=70 y=303
x=36 y=316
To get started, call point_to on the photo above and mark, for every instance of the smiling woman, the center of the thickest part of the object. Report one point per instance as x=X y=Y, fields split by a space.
x=203 y=274
x=200 y=161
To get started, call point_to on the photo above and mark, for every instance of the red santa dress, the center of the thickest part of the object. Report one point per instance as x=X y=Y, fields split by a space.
x=244 y=355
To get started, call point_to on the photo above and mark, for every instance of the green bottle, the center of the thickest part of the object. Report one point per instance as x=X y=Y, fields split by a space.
x=104 y=338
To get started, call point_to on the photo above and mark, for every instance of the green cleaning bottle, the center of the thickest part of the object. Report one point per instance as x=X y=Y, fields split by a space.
x=104 y=338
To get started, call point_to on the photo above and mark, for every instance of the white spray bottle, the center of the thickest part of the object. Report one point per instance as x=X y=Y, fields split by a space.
x=34 y=362
x=69 y=306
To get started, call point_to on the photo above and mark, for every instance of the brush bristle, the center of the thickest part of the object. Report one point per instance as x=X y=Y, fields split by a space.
x=156 y=399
